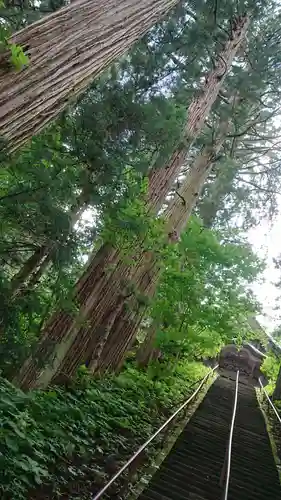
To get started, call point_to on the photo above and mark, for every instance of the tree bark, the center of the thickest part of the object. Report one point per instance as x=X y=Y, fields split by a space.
x=176 y=216
x=145 y=351
x=212 y=203
x=63 y=327
x=160 y=182
x=180 y=208
x=28 y=268
x=121 y=340
x=95 y=357
x=67 y=50
x=86 y=343
x=68 y=340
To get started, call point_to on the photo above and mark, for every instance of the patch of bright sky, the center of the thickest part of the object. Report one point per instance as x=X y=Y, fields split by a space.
x=266 y=239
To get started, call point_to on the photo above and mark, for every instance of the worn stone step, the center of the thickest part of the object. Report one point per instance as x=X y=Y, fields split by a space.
x=193 y=467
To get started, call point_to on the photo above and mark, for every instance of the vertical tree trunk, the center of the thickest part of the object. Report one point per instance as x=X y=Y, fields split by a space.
x=64 y=340
x=277 y=390
x=126 y=325
x=30 y=265
x=145 y=351
x=67 y=50
x=161 y=182
x=95 y=357
x=86 y=343
x=176 y=216
x=214 y=201
x=121 y=339
x=63 y=327
x=184 y=201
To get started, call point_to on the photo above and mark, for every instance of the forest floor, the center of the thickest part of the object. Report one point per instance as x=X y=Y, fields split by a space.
x=64 y=443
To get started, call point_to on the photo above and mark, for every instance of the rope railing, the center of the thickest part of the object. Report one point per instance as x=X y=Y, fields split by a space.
x=131 y=460
x=269 y=400
x=229 y=449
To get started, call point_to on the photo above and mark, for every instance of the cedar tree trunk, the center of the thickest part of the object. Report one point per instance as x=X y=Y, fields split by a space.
x=68 y=339
x=177 y=216
x=67 y=50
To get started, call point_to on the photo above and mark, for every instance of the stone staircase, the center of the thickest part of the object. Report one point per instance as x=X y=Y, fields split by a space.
x=193 y=468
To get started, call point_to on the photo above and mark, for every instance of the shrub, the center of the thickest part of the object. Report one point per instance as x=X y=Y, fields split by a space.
x=64 y=437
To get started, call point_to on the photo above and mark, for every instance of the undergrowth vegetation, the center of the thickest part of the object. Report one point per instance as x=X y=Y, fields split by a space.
x=69 y=438
x=165 y=288
x=270 y=368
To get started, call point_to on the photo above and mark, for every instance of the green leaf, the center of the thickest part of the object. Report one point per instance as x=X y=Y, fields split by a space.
x=16 y=429
x=11 y=443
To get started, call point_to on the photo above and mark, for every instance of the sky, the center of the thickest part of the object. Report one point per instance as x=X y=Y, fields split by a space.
x=266 y=241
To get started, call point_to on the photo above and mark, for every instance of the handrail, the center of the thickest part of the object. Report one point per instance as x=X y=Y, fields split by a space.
x=225 y=495
x=126 y=465
x=269 y=400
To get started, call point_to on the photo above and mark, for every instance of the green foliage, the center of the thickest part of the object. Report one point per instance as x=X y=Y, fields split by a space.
x=126 y=123
x=60 y=436
x=18 y=58
x=17 y=14
x=270 y=368
x=103 y=148
x=203 y=301
x=131 y=228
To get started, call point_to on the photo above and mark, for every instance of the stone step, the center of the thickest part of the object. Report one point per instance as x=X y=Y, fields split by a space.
x=193 y=468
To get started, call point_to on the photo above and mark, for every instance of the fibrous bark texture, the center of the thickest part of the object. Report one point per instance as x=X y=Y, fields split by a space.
x=70 y=340
x=184 y=201
x=160 y=185
x=66 y=51
x=176 y=217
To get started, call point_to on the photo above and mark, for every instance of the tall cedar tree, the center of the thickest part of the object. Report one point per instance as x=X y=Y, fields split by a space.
x=118 y=125
x=111 y=356
x=66 y=51
x=245 y=181
x=125 y=324
x=99 y=292
x=109 y=129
